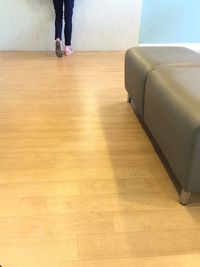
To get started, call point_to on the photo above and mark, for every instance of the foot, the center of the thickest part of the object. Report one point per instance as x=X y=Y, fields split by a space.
x=58 y=49
x=68 y=50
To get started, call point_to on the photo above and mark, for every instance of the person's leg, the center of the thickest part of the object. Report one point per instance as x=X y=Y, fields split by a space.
x=69 y=6
x=58 y=6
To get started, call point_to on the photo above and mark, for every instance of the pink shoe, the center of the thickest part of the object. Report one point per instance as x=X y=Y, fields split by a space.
x=68 y=51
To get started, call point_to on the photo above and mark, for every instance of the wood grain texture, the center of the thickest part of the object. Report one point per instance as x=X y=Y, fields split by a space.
x=138 y=244
x=164 y=261
x=80 y=183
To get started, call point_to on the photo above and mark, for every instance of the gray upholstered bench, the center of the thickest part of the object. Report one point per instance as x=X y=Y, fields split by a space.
x=172 y=114
x=164 y=85
x=139 y=61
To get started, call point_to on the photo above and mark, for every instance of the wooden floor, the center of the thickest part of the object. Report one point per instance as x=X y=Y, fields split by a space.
x=80 y=183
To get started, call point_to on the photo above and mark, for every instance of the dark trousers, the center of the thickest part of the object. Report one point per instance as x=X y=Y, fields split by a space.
x=68 y=13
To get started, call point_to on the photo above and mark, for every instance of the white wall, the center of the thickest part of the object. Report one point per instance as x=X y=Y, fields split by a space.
x=98 y=24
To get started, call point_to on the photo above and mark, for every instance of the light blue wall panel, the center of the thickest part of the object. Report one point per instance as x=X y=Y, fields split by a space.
x=170 y=21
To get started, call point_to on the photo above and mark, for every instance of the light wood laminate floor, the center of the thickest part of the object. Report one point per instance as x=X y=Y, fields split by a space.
x=80 y=182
